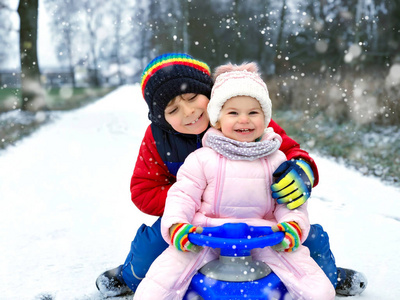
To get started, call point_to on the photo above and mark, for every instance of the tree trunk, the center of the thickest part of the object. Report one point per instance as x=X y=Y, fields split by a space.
x=117 y=34
x=68 y=39
x=280 y=62
x=185 y=29
x=33 y=96
x=94 y=78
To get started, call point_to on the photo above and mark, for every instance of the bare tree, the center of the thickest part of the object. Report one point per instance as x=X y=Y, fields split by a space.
x=31 y=88
x=93 y=21
x=119 y=43
x=116 y=52
x=64 y=28
x=141 y=32
x=185 y=24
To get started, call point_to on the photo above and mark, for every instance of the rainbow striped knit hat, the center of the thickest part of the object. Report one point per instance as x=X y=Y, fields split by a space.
x=170 y=75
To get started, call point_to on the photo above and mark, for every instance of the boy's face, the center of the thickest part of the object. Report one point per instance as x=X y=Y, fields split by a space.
x=187 y=113
x=242 y=119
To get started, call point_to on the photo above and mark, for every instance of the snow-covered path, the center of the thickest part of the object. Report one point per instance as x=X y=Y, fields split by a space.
x=66 y=214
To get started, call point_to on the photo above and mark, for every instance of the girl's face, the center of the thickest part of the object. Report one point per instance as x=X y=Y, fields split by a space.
x=242 y=119
x=187 y=113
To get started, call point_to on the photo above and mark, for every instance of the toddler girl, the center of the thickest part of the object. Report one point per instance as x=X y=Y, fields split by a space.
x=226 y=181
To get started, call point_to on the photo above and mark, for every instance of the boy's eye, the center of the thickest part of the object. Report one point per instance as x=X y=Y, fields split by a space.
x=188 y=96
x=172 y=110
x=192 y=97
x=253 y=112
x=232 y=113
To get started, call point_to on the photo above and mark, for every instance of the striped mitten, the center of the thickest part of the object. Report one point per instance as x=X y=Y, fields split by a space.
x=179 y=237
x=292 y=238
x=293 y=184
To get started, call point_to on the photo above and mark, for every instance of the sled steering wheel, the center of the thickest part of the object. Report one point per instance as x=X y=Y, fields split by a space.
x=236 y=239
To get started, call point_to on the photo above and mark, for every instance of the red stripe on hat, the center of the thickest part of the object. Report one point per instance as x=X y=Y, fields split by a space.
x=152 y=71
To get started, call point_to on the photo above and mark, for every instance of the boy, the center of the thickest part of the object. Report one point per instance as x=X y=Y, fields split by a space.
x=227 y=181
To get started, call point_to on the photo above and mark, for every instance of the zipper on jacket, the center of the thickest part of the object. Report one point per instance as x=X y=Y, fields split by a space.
x=268 y=179
x=219 y=183
x=190 y=270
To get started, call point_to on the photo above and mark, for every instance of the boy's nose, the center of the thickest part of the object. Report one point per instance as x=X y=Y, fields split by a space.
x=187 y=110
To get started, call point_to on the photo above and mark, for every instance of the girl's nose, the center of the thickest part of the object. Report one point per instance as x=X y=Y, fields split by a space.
x=243 y=119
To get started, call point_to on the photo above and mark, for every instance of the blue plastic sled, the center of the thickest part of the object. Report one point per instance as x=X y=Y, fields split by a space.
x=235 y=275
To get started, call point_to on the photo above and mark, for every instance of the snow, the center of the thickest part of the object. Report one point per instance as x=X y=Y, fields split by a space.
x=66 y=214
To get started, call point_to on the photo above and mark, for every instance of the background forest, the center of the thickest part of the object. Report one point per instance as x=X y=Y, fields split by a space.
x=332 y=66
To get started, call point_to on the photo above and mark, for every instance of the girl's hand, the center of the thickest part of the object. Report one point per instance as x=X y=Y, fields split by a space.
x=294 y=182
x=292 y=237
x=179 y=237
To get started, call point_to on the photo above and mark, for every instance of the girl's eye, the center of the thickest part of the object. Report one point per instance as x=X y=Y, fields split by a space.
x=232 y=113
x=253 y=112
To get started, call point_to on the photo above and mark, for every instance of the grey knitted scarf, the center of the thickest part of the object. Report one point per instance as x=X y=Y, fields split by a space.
x=236 y=150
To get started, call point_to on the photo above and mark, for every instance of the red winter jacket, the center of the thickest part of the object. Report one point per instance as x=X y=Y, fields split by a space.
x=151 y=179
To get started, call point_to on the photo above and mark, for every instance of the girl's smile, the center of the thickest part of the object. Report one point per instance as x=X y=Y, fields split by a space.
x=242 y=119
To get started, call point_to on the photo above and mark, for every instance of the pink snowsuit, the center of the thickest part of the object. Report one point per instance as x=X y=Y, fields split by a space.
x=212 y=190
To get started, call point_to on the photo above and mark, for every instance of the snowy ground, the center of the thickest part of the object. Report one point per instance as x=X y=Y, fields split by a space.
x=66 y=214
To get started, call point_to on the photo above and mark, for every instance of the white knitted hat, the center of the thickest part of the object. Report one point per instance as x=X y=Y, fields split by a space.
x=238 y=83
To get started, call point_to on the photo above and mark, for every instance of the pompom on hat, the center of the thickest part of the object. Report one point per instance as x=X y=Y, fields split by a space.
x=170 y=75
x=234 y=81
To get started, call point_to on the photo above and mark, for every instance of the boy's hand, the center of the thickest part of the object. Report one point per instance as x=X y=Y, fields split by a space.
x=294 y=182
x=179 y=237
x=292 y=237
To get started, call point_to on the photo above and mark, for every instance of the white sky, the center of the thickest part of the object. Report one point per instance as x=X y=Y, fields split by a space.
x=66 y=214
x=46 y=52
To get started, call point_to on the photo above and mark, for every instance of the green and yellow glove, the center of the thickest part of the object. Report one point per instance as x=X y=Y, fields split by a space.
x=293 y=183
x=179 y=237
x=292 y=238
